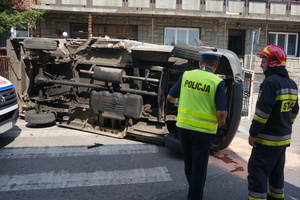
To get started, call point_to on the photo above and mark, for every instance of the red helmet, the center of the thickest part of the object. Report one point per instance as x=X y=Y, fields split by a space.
x=276 y=55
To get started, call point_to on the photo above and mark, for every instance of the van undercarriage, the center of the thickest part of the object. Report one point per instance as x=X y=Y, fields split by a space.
x=111 y=87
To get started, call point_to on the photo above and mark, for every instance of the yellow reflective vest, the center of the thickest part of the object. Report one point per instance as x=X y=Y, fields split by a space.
x=197 y=108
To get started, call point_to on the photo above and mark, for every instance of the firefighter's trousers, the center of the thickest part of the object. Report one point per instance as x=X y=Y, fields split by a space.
x=266 y=173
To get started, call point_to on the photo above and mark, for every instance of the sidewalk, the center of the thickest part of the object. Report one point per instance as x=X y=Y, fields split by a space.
x=244 y=125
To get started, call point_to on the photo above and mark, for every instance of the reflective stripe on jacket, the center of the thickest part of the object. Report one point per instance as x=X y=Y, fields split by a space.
x=197 y=109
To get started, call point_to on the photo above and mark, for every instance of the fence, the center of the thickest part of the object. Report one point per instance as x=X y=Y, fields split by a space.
x=4 y=66
x=248 y=76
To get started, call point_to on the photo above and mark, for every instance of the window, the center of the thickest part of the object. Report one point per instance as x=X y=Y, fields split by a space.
x=180 y=36
x=288 y=41
x=13 y=33
x=18 y=32
x=3 y=39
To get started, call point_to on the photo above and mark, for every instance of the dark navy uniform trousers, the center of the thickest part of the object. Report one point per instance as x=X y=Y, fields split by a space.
x=196 y=148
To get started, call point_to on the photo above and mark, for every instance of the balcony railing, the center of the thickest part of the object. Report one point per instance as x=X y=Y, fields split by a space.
x=272 y=9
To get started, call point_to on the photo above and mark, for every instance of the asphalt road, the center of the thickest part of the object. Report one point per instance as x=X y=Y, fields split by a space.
x=54 y=163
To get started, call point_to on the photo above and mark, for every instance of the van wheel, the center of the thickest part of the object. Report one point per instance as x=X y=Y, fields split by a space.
x=222 y=140
x=40 y=44
x=38 y=119
x=173 y=143
x=188 y=52
x=219 y=142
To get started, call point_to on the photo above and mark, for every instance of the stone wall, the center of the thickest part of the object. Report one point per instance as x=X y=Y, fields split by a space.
x=212 y=32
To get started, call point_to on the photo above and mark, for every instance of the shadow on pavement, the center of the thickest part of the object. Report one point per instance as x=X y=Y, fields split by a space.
x=9 y=136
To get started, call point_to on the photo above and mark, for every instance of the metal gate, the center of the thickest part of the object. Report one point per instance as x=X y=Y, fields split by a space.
x=4 y=66
x=248 y=77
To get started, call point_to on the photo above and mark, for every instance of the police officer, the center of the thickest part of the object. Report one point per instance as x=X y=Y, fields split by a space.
x=202 y=107
x=271 y=128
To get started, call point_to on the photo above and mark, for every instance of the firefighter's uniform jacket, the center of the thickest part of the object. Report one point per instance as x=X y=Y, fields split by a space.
x=276 y=109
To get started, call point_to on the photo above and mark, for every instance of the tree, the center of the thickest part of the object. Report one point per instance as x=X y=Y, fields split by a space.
x=12 y=16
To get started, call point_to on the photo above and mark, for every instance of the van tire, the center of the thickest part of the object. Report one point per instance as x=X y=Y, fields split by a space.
x=173 y=143
x=38 y=119
x=40 y=44
x=187 y=52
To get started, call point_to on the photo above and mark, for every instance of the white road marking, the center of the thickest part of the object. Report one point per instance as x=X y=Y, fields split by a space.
x=45 y=132
x=52 y=180
x=40 y=152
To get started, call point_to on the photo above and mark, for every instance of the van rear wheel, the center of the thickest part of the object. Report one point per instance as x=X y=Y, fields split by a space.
x=39 y=118
x=40 y=44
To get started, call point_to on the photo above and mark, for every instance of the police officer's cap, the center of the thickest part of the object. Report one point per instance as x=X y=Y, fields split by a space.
x=210 y=55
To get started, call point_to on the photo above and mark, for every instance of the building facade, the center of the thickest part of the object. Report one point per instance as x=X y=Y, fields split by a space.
x=230 y=24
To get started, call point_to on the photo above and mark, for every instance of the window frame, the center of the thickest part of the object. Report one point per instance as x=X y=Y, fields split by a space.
x=286 y=38
x=176 y=34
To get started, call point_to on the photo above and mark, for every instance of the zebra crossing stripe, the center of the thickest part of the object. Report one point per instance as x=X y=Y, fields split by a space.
x=55 y=180
x=39 y=152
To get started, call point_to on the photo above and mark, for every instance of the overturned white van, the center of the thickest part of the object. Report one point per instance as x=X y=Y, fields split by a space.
x=113 y=87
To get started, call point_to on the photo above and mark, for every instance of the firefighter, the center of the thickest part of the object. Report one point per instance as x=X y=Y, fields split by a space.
x=202 y=107
x=271 y=127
